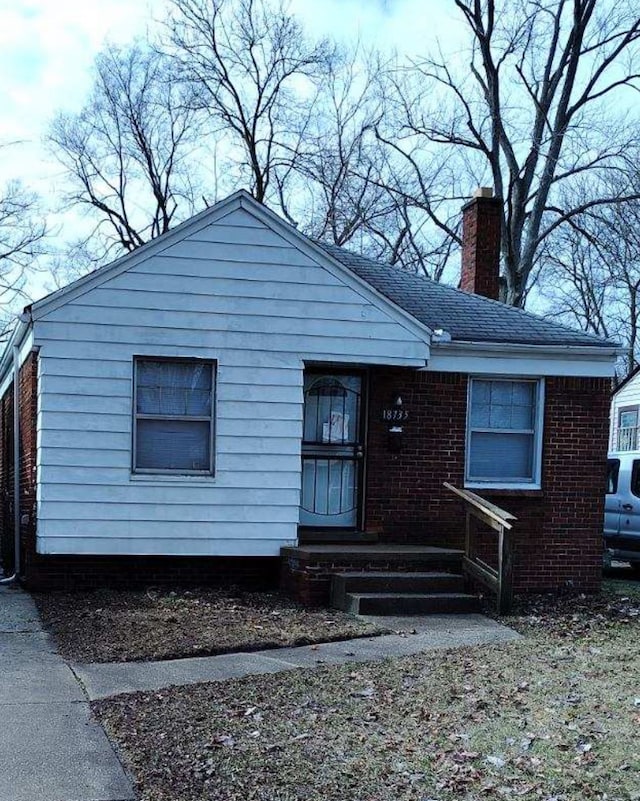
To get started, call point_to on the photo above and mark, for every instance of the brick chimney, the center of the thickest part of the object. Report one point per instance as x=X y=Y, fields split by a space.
x=481 y=223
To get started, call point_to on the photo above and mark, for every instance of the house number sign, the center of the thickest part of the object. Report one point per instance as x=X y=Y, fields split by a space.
x=395 y=415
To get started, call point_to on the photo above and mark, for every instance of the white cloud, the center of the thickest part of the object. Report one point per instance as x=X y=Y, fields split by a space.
x=47 y=48
x=46 y=51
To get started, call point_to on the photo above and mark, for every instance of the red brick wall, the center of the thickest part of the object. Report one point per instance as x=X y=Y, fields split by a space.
x=559 y=528
x=28 y=411
x=6 y=480
x=405 y=497
x=481 y=229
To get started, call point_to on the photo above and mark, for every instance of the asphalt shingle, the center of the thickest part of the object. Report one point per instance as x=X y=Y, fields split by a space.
x=466 y=317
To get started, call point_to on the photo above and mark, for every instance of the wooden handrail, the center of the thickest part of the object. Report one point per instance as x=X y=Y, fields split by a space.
x=502 y=513
x=500 y=580
x=497 y=514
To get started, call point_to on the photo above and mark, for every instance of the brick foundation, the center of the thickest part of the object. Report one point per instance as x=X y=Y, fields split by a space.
x=129 y=572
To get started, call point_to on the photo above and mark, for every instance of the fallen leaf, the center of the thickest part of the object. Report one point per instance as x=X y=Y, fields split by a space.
x=366 y=692
x=224 y=740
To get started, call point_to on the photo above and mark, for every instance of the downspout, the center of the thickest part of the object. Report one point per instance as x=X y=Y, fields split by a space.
x=16 y=468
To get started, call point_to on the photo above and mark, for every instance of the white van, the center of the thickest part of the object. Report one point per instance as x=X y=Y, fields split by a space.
x=622 y=508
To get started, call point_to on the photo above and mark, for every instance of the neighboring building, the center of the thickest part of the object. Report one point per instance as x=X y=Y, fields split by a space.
x=233 y=387
x=625 y=415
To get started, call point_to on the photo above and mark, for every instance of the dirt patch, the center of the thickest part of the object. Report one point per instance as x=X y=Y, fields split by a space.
x=120 y=626
x=576 y=615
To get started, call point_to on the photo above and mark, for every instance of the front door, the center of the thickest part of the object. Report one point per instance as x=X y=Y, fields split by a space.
x=332 y=449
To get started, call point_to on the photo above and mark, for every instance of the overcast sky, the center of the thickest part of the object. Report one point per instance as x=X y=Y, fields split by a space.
x=47 y=49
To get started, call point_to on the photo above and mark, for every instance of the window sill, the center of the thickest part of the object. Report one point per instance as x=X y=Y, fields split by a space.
x=491 y=490
x=164 y=478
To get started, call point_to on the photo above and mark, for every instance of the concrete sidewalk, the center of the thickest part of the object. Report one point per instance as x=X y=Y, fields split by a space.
x=432 y=632
x=51 y=748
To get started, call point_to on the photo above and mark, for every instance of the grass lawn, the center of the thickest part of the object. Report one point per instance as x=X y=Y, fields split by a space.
x=554 y=717
x=123 y=626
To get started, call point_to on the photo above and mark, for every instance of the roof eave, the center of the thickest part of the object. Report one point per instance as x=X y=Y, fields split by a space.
x=527 y=360
x=20 y=330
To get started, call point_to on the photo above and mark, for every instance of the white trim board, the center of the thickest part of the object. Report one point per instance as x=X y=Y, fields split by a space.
x=127 y=546
x=522 y=360
x=25 y=349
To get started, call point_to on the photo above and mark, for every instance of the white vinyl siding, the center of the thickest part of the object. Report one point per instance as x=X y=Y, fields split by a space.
x=627 y=398
x=504 y=432
x=234 y=293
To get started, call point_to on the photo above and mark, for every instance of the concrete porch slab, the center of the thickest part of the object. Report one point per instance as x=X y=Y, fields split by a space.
x=376 y=551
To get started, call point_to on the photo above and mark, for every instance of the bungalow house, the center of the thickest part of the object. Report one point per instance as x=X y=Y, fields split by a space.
x=624 y=432
x=233 y=391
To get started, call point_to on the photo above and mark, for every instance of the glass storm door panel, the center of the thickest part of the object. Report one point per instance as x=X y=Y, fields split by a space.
x=332 y=450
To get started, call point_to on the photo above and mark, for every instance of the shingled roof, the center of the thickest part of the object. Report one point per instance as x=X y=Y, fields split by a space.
x=466 y=317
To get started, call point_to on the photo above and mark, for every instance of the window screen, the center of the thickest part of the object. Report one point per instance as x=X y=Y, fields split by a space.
x=173 y=416
x=502 y=436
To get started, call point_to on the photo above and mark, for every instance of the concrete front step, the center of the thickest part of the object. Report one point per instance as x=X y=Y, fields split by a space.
x=372 y=556
x=307 y=569
x=395 y=603
x=392 y=582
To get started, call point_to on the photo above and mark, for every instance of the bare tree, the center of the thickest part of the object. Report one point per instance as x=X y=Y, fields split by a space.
x=527 y=112
x=590 y=276
x=126 y=155
x=341 y=156
x=428 y=222
x=339 y=182
x=249 y=65
x=22 y=232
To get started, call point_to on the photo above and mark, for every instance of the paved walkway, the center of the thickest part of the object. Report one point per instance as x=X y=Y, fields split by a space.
x=432 y=632
x=51 y=748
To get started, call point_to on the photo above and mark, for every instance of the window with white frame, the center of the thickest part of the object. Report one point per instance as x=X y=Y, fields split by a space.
x=173 y=416
x=629 y=428
x=504 y=431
